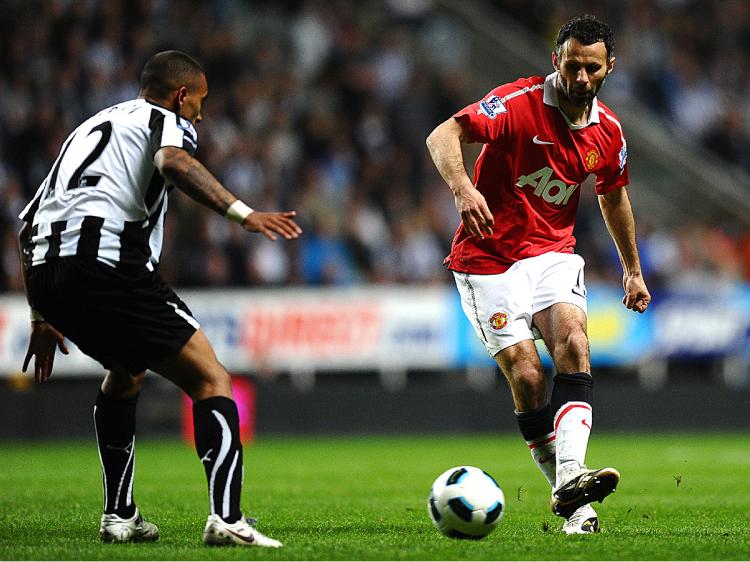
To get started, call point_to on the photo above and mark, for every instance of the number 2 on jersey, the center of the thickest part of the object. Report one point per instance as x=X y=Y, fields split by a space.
x=76 y=180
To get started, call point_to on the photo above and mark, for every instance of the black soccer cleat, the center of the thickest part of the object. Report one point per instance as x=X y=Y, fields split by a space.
x=586 y=487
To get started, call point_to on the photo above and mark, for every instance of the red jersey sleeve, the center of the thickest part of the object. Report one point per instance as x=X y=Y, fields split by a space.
x=615 y=174
x=486 y=120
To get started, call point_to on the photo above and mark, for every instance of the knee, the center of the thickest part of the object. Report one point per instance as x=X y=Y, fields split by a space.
x=196 y=370
x=121 y=384
x=526 y=378
x=529 y=388
x=214 y=382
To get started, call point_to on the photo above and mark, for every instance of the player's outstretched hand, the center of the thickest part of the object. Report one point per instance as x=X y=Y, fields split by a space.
x=636 y=297
x=475 y=214
x=270 y=224
x=43 y=341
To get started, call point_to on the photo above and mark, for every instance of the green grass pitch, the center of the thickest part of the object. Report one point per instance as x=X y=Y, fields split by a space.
x=682 y=496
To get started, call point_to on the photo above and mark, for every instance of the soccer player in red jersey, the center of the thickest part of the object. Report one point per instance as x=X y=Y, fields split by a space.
x=512 y=255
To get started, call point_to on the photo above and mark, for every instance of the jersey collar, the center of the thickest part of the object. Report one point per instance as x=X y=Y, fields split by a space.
x=551 y=99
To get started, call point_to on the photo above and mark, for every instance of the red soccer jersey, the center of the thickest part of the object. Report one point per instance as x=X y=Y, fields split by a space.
x=530 y=170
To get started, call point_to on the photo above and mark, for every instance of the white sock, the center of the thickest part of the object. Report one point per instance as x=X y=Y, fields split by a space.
x=572 y=424
x=543 y=452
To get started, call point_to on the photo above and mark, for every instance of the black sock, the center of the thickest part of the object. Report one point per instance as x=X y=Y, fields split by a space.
x=535 y=424
x=539 y=434
x=114 y=421
x=575 y=387
x=217 y=440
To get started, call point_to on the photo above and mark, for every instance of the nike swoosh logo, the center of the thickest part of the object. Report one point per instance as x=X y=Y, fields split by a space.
x=249 y=540
x=125 y=450
x=537 y=141
x=543 y=460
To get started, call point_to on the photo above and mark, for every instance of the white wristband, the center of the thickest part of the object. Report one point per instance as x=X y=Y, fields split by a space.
x=35 y=316
x=238 y=212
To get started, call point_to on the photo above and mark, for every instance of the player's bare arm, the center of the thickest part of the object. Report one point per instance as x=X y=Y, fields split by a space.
x=618 y=216
x=194 y=179
x=44 y=339
x=444 y=144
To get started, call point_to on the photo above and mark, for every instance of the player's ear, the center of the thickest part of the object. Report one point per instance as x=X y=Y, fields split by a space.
x=556 y=62
x=610 y=65
x=182 y=93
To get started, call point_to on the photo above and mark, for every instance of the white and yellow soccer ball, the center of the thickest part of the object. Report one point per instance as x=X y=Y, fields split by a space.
x=465 y=503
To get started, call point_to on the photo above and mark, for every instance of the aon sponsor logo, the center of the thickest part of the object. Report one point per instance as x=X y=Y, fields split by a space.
x=552 y=191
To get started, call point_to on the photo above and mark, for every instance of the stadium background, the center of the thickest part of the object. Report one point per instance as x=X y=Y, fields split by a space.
x=323 y=106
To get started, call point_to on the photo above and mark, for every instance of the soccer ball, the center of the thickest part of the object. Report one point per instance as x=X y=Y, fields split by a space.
x=465 y=503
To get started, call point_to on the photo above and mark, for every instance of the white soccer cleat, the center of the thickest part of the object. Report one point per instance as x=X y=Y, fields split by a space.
x=583 y=522
x=113 y=528
x=220 y=533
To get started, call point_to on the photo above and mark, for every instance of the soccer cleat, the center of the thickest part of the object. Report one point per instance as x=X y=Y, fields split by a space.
x=220 y=533
x=583 y=521
x=114 y=528
x=585 y=487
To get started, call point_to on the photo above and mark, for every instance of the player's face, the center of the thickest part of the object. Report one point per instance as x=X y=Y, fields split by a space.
x=581 y=70
x=192 y=99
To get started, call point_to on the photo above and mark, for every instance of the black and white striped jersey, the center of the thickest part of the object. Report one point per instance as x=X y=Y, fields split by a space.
x=104 y=197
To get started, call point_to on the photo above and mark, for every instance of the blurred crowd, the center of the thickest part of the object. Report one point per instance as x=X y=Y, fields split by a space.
x=686 y=60
x=323 y=107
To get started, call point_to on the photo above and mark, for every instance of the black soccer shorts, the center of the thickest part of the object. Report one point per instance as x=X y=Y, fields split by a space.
x=122 y=317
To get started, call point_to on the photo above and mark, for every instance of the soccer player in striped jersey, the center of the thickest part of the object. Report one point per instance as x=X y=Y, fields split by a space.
x=91 y=243
x=512 y=256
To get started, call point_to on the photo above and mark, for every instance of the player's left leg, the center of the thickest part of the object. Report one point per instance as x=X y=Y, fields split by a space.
x=114 y=422
x=563 y=327
x=523 y=369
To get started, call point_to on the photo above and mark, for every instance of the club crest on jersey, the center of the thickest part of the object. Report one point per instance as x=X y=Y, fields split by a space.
x=185 y=125
x=492 y=107
x=498 y=321
x=591 y=160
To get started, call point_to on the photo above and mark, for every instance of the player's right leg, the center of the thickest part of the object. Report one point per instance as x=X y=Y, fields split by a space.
x=114 y=422
x=196 y=370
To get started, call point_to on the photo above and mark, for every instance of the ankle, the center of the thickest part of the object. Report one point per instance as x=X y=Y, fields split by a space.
x=567 y=470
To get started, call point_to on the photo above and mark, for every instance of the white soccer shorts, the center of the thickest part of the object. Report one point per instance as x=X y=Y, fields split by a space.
x=500 y=307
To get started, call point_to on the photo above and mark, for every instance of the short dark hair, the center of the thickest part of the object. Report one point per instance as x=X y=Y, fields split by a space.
x=588 y=30
x=166 y=71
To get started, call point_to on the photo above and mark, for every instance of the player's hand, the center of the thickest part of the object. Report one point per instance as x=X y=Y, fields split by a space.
x=43 y=342
x=270 y=224
x=636 y=297
x=475 y=214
